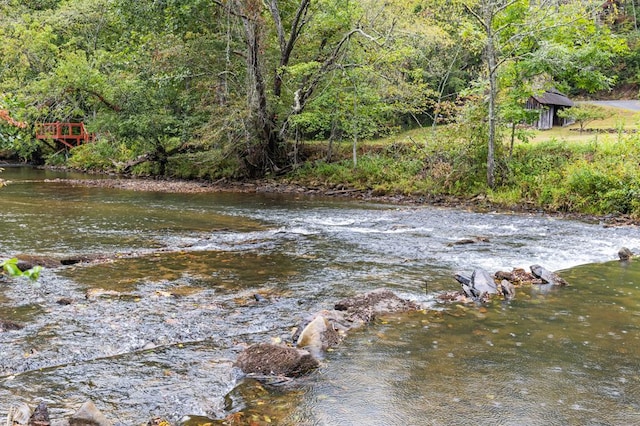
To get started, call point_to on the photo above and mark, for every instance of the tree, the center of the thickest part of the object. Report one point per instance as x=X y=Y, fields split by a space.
x=583 y=114
x=553 y=41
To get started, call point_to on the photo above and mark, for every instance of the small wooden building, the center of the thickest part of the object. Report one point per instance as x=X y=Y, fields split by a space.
x=548 y=104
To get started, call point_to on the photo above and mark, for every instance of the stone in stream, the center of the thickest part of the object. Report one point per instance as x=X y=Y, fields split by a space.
x=318 y=336
x=40 y=416
x=325 y=330
x=463 y=279
x=27 y=261
x=363 y=308
x=18 y=415
x=508 y=290
x=518 y=276
x=482 y=282
x=268 y=359
x=158 y=421
x=479 y=286
x=624 y=254
x=547 y=276
x=6 y=325
x=89 y=415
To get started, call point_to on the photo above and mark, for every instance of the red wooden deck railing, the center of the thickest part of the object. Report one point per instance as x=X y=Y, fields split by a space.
x=69 y=134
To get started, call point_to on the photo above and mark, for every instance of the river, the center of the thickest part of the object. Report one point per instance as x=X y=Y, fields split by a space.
x=153 y=329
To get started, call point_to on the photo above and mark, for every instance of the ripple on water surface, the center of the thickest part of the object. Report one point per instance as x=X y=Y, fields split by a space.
x=154 y=329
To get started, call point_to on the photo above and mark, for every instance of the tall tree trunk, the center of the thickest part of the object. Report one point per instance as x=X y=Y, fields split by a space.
x=256 y=90
x=493 y=94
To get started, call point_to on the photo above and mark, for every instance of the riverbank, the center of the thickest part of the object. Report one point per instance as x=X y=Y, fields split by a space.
x=478 y=203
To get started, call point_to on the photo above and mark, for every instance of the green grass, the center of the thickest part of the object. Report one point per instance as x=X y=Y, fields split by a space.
x=557 y=170
x=618 y=119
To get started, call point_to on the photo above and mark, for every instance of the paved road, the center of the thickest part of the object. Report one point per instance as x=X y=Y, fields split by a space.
x=632 y=105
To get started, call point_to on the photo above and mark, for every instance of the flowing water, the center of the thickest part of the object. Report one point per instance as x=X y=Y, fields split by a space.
x=154 y=328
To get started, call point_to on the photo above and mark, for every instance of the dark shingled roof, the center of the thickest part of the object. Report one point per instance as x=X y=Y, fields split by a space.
x=553 y=97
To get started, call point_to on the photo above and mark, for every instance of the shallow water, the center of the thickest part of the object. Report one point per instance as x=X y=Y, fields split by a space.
x=186 y=267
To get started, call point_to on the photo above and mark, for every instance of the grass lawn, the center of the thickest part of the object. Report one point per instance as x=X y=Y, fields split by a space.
x=618 y=119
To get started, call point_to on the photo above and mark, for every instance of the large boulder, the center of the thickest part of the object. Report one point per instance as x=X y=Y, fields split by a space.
x=482 y=282
x=276 y=360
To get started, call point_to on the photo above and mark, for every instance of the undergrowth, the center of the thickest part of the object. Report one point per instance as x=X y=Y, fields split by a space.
x=594 y=177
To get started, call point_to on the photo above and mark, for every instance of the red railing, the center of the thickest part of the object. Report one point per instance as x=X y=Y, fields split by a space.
x=70 y=134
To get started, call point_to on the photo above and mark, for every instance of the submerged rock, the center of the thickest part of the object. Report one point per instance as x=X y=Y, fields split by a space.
x=466 y=241
x=158 y=421
x=6 y=325
x=95 y=293
x=276 y=360
x=27 y=261
x=547 y=276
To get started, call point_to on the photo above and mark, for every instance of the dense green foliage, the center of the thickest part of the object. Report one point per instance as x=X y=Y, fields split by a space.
x=210 y=89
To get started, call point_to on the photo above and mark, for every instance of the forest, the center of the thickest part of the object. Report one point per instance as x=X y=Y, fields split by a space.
x=233 y=89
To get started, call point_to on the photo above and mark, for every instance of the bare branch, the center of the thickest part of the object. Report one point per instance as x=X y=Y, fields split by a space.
x=303 y=94
x=475 y=15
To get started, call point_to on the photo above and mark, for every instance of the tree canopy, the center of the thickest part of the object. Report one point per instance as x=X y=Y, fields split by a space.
x=241 y=81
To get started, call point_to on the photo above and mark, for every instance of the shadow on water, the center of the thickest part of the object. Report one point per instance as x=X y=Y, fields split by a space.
x=154 y=327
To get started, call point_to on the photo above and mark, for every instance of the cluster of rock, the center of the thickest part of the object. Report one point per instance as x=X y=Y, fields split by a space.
x=87 y=415
x=481 y=286
x=325 y=329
